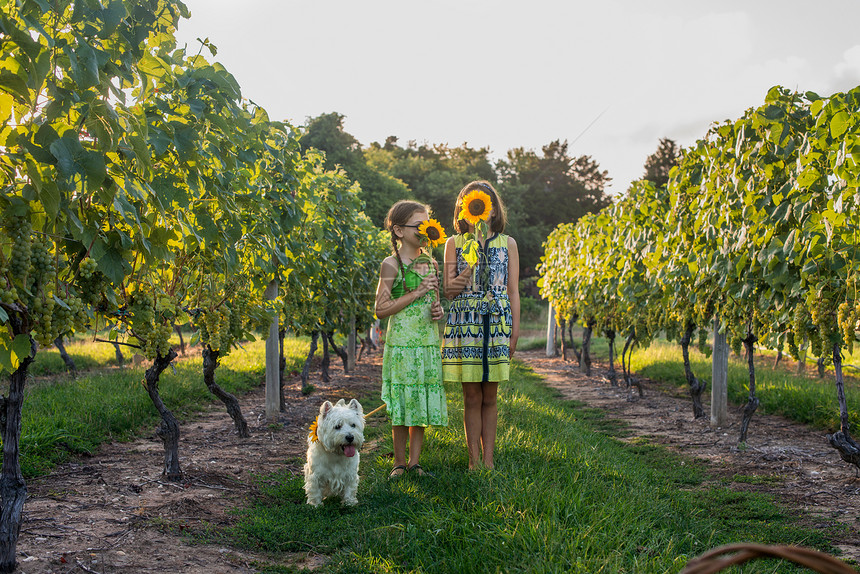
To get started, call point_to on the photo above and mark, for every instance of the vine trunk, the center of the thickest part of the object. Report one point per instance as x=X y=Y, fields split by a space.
x=613 y=377
x=586 y=347
x=210 y=364
x=13 y=488
x=841 y=440
x=752 y=401
x=307 y=368
x=696 y=386
x=282 y=365
x=70 y=363
x=168 y=430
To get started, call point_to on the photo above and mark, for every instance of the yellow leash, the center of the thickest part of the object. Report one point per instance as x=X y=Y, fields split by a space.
x=376 y=410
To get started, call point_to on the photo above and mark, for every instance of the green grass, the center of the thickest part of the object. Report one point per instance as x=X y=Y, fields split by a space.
x=65 y=417
x=802 y=398
x=566 y=496
x=87 y=355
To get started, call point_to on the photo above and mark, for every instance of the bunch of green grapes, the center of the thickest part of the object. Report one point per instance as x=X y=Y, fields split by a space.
x=80 y=319
x=42 y=315
x=797 y=332
x=800 y=324
x=91 y=281
x=41 y=261
x=159 y=342
x=63 y=319
x=736 y=341
x=8 y=293
x=821 y=315
x=846 y=317
x=88 y=268
x=70 y=316
x=793 y=350
x=217 y=327
x=142 y=321
x=706 y=316
x=20 y=230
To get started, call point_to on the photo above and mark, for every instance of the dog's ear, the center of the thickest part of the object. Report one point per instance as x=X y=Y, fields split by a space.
x=356 y=406
x=325 y=408
x=340 y=403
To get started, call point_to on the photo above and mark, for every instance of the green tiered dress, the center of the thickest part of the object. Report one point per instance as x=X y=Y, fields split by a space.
x=412 y=386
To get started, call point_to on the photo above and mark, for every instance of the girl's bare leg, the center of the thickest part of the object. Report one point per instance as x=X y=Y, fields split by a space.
x=399 y=434
x=472 y=421
x=489 y=421
x=416 y=441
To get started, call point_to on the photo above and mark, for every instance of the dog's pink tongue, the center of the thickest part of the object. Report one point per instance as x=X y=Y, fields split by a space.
x=349 y=451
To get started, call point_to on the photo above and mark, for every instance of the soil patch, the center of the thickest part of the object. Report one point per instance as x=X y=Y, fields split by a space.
x=113 y=512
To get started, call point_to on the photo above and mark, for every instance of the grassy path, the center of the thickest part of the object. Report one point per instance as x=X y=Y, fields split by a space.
x=65 y=416
x=566 y=496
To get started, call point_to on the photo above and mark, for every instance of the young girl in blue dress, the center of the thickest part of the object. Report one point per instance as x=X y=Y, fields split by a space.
x=482 y=325
x=411 y=366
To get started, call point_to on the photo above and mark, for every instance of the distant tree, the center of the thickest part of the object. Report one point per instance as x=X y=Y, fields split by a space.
x=542 y=191
x=434 y=173
x=659 y=163
x=379 y=190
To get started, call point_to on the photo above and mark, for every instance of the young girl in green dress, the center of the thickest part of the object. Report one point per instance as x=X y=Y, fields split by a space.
x=483 y=322
x=411 y=364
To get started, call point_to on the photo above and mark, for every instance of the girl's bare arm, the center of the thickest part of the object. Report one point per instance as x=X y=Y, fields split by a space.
x=385 y=305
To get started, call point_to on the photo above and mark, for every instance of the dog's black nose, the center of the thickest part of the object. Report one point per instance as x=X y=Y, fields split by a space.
x=349 y=438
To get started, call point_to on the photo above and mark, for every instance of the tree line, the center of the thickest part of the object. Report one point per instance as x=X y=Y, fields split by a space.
x=540 y=189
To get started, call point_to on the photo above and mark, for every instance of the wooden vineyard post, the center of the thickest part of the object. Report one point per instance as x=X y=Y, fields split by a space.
x=350 y=346
x=550 y=332
x=273 y=400
x=719 y=377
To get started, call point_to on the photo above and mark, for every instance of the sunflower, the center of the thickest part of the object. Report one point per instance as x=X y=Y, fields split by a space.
x=476 y=207
x=432 y=230
x=313 y=432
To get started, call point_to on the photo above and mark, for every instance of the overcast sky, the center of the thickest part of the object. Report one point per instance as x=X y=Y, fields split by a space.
x=610 y=76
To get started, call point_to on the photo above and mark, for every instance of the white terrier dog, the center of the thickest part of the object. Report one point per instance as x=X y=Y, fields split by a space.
x=333 y=443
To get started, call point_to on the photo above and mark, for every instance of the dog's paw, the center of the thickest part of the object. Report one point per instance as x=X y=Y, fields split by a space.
x=350 y=501
x=315 y=502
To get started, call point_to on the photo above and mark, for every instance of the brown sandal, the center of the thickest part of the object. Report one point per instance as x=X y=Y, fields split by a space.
x=401 y=467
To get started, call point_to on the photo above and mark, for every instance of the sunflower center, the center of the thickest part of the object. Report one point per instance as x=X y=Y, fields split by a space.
x=476 y=207
x=433 y=233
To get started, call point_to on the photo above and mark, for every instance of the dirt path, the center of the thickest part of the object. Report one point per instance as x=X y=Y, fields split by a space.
x=112 y=512
x=796 y=463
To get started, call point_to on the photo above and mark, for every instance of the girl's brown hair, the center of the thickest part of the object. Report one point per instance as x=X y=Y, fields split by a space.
x=500 y=215
x=400 y=214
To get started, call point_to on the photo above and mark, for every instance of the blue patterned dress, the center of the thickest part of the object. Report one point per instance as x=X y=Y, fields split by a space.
x=476 y=346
